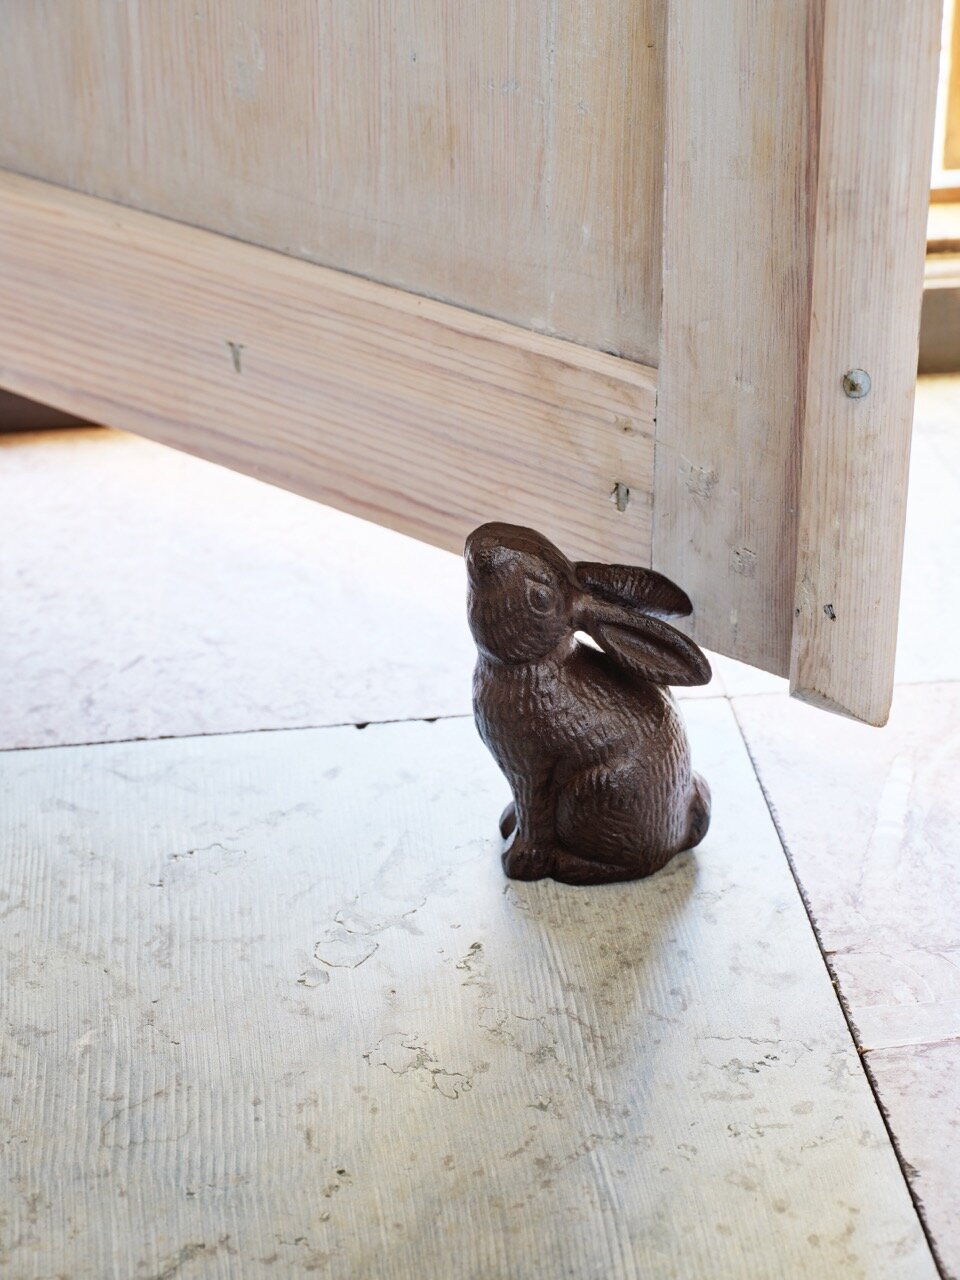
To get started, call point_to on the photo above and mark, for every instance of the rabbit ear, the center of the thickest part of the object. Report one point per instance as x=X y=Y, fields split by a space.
x=642 y=588
x=650 y=649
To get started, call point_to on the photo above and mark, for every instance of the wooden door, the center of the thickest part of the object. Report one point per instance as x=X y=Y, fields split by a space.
x=601 y=268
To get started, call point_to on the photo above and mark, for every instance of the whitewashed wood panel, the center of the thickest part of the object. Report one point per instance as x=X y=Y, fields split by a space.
x=739 y=119
x=877 y=106
x=424 y=417
x=270 y=1007
x=797 y=161
x=504 y=156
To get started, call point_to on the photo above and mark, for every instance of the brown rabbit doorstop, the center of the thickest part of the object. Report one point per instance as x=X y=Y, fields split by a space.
x=590 y=740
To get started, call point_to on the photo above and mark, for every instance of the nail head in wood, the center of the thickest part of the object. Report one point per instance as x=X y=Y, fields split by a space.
x=857 y=383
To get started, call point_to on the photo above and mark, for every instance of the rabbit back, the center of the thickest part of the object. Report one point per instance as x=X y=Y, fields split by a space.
x=637 y=801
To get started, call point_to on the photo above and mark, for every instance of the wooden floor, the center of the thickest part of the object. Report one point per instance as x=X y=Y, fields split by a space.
x=271 y=1009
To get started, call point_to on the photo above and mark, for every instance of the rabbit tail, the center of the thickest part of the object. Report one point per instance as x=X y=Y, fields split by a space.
x=699 y=814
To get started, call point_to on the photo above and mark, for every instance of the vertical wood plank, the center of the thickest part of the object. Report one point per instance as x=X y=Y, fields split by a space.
x=735 y=307
x=876 y=128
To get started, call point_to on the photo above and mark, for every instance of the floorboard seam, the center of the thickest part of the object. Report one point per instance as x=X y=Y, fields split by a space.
x=234 y=733
x=362 y=724
x=905 y=1167
x=280 y=728
x=784 y=692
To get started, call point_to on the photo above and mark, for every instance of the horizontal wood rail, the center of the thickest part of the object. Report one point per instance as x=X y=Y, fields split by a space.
x=409 y=412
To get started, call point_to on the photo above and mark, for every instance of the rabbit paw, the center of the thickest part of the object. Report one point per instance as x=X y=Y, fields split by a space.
x=523 y=861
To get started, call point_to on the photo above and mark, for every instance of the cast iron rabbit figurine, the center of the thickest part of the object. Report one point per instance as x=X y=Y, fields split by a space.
x=590 y=741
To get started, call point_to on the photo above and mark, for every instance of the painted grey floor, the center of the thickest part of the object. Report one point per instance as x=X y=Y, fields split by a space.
x=144 y=594
x=871 y=821
x=271 y=1009
x=878 y=854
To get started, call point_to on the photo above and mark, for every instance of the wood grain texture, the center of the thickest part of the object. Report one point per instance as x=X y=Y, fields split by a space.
x=503 y=156
x=395 y=408
x=735 y=308
x=876 y=129
x=271 y=1009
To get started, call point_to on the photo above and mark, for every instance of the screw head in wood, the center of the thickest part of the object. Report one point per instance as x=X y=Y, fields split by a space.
x=856 y=383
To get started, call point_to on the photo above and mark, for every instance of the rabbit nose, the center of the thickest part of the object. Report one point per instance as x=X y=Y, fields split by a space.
x=482 y=549
x=476 y=560
x=480 y=561
x=482 y=537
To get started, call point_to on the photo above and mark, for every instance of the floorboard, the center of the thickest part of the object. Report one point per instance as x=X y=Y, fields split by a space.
x=271 y=1009
x=872 y=823
x=150 y=594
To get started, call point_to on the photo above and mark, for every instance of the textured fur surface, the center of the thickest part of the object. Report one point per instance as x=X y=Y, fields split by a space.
x=590 y=739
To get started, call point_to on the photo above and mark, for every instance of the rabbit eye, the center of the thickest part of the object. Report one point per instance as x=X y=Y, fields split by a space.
x=539 y=597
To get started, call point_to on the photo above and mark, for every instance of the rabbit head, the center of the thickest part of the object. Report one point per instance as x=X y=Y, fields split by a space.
x=521 y=590
x=526 y=600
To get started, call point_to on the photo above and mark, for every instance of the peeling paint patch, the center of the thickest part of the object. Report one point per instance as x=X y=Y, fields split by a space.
x=313 y=977
x=341 y=949
x=367 y=920
x=350 y=939
x=403 y=1054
